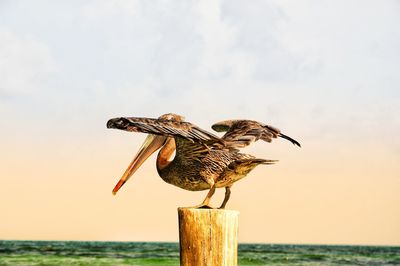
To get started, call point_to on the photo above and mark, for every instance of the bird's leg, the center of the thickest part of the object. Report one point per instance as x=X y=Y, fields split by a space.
x=227 y=196
x=210 y=193
x=206 y=201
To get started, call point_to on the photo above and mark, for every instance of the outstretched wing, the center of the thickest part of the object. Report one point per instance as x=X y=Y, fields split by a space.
x=164 y=127
x=241 y=133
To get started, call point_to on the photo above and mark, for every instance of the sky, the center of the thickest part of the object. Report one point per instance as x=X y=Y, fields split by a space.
x=326 y=73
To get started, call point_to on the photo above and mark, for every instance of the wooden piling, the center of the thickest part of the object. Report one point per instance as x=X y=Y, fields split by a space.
x=208 y=237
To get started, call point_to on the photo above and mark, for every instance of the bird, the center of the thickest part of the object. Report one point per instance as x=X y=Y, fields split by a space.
x=202 y=160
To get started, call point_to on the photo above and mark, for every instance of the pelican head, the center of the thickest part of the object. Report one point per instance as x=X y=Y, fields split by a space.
x=151 y=144
x=172 y=117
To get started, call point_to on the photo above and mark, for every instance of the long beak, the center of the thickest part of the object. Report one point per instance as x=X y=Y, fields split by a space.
x=150 y=145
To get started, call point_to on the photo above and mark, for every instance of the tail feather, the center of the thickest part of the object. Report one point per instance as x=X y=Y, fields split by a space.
x=269 y=161
x=255 y=161
x=242 y=167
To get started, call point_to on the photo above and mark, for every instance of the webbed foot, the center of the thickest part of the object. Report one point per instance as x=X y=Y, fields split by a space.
x=203 y=206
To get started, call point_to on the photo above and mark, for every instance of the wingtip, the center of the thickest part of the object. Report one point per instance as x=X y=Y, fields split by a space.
x=295 y=142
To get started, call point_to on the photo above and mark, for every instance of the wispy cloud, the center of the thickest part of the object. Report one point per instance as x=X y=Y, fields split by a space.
x=268 y=61
x=325 y=72
x=25 y=63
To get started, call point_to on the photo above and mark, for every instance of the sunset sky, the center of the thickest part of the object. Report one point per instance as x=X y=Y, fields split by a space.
x=326 y=73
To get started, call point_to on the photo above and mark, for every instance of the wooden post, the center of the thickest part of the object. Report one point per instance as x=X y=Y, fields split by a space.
x=208 y=237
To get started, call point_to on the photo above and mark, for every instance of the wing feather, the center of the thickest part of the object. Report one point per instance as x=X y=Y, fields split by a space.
x=241 y=133
x=164 y=127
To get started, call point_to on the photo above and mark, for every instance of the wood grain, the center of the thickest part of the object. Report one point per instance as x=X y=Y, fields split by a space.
x=208 y=237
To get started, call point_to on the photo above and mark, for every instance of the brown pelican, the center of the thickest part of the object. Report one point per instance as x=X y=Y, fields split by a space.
x=202 y=160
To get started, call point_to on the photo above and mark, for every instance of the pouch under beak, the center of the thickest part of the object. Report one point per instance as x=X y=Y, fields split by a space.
x=150 y=145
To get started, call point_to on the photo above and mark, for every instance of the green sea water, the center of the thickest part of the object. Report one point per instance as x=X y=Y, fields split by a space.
x=152 y=253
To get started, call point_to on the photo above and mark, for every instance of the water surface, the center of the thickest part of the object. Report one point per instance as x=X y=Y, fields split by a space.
x=153 y=253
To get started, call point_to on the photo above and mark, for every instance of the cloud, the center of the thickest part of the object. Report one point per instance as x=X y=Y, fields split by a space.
x=104 y=8
x=25 y=63
x=258 y=37
x=294 y=63
x=325 y=72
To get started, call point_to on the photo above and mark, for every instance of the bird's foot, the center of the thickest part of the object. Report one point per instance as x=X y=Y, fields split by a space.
x=203 y=206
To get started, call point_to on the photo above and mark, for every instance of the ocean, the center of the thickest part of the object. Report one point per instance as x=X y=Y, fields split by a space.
x=153 y=253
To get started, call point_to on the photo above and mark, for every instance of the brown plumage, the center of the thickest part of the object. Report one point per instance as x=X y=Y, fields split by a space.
x=202 y=160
